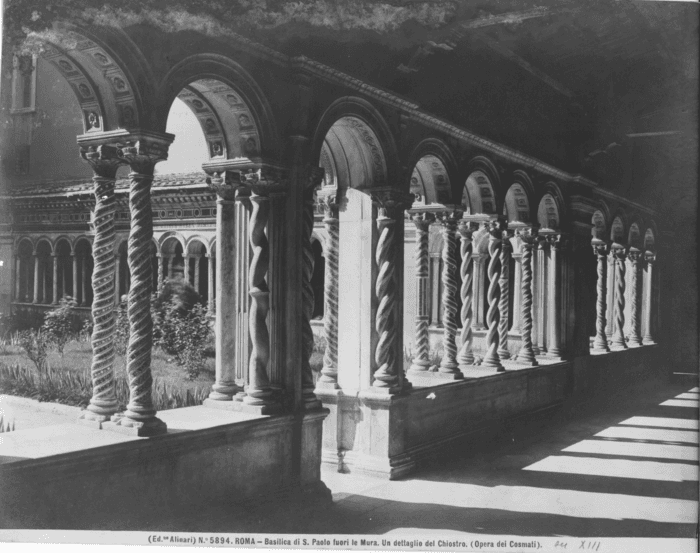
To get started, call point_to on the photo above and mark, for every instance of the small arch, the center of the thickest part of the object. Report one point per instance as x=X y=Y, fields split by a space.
x=167 y=236
x=617 y=230
x=516 y=207
x=548 y=215
x=649 y=239
x=432 y=178
x=599 y=225
x=43 y=244
x=193 y=241
x=82 y=241
x=634 y=236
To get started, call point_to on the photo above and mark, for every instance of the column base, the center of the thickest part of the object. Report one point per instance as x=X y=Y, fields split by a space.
x=503 y=354
x=241 y=407
x=146 y=428
x=648 y=342
x=456 y=375
x=323 y=385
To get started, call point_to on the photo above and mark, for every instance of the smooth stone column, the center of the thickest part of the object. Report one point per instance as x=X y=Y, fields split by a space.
x=210 y=283
x=650 y=260
x=329 y=372
x=18 y=277
x=517 y=292
x=556 y=243
x=197 y=260
x=103 y=403
x=44 y=295
x=541 y=295
x=491 y=358
x=620 y=256
x=75 y=276
x=601 y=339
x=54 y=297
x=528 y=238
x=465 y=356
x=635 y=336
x=35 y=299
x=503 y=302
x=83 y=281
x=225 y=387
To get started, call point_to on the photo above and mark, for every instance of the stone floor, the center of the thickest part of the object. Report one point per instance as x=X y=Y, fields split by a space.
x=625 y=466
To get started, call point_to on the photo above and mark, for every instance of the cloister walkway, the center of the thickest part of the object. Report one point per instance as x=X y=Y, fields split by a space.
x=624 y=466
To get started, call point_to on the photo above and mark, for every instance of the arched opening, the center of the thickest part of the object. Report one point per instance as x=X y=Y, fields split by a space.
x=548 y=213
x=430 y=183
x=517 y=205
x=478 y=195
x=189 y=148
x=24 y=287
x=617 y=231
x=173 y=259
x=45 y=276
x=353 y=159
x=197 y=269
x=83 y=271
x=65 y=268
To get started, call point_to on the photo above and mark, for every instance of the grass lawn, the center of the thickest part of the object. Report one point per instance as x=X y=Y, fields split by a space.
x=77 y=357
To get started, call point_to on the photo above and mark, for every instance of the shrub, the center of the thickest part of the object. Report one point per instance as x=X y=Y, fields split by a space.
x=6 y=428
x=60 y=324
x=35 y=344
x=21 y=319
x=185 y=334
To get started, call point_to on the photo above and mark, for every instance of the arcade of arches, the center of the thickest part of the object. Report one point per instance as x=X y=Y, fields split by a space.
x=425 y=255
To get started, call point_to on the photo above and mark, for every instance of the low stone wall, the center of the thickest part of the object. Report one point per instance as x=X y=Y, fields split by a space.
x=392 y=436
x=207 y=456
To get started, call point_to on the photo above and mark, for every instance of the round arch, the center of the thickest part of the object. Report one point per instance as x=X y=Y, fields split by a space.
x=599 y=225
x=434 y=173
x=617 y=229
x=480 y=193
x=236 y=118
x=193 y=241
x=635 y=237
x=164 y=243
x=351 y=129
x=518 y=202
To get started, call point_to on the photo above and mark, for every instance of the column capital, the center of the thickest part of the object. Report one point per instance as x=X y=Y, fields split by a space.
x=600 y=247
x=558 y=241
x=224 y=188
x=635 y=255
x=650 y=257
x=103 y=159
x=527 y=235
x=618 y=251
x=449 y=216
x=330 y=201
x=495 y=228
x=390 y=201
x=422 y=219
x=467 y=228
x=264 y=180
x=142 y=150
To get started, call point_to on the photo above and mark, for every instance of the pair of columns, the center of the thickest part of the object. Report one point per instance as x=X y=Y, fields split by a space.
x=141 y=152
x=39 y=294
x=619 y=255
x=388 y=377
x=244 y=206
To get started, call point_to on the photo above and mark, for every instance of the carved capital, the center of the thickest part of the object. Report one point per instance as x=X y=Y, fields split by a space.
x=600 y=248
x=528 y=237
x=449 y=218
x=495 y=228
x=142 y=153
x=635 y=255
x=264 y=180
x=223 y=187
x=390 y=201
x=650 y=257
x=558 y=242
x=103 y=159
x=421 y=219
x=467 y=229
x=618 y=251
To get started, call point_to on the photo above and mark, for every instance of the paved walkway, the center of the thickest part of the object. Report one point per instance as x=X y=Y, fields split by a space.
x=627 y=467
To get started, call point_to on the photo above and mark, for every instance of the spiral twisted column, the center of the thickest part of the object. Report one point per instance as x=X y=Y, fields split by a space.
x=421 y=355
x=635 y=337
x=600 y=343
x=259 y=392
x=619 y=335
x=493 y=316
x=650 y=261
x=308 y=397
x=528 y=237
x=141 y=155
x=449 y=367
x=103 y=403
x=506 y=250
x=465 y=356
x=389 y=376
x=329 y=372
